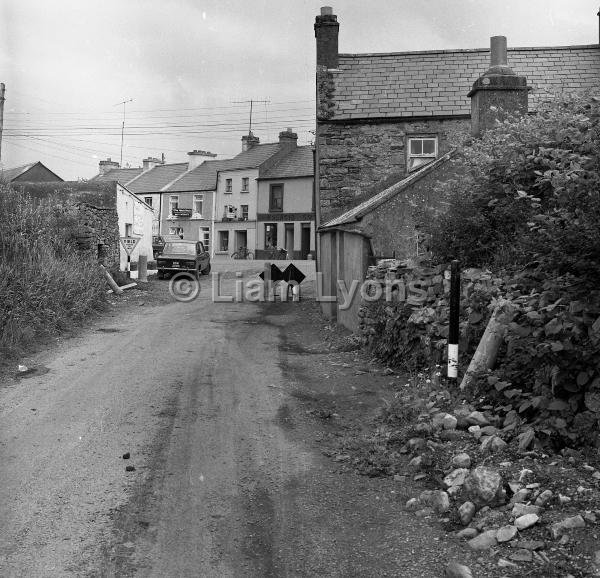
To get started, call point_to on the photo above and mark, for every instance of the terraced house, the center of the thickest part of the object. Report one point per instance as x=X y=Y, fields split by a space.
x=217 y=201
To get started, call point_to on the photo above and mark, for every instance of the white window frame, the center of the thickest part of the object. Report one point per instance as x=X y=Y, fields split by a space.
x=173 y=204
x=148 y=201
x=420 y=159
x=245 y=184
x=198 y=198
x=176 y=231
x=228 y=185
x=204 y=234
x=244 y=214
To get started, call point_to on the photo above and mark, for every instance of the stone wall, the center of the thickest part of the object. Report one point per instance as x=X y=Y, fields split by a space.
x=408 y=324
x=98 y=234
x=358 y=160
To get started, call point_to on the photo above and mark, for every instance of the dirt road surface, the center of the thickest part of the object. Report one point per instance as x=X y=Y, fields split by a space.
x=229 y=480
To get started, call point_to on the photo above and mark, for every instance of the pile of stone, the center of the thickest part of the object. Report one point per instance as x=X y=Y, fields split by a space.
x=478 y=496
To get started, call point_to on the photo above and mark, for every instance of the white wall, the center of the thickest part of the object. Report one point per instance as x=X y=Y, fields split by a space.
x=134 y=211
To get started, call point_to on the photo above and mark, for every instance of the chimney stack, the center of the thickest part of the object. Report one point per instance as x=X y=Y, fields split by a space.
x=197 y=157
x=498 y=93
x=150 y=163
x=107 y=165
x=327 y=30
x=288 y=138
x=248 y=141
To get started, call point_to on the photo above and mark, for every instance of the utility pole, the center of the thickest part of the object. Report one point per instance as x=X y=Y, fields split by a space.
x=251 y=101
x=123 y=126
x=2 y=99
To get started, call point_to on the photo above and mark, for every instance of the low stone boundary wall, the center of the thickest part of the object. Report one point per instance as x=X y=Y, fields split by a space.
x=404 y=313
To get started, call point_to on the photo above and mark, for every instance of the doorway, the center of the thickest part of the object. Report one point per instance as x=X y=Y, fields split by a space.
x=289 y=239
x=305 y=241
x=241 y=240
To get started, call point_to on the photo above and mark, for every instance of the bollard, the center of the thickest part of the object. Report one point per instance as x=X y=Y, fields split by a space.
x=453 y=330
x=142 y=268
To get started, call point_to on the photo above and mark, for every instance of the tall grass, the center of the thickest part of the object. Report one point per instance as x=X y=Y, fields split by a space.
x=46 y=284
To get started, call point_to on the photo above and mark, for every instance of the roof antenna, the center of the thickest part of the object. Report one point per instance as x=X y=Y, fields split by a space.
x=123 y=126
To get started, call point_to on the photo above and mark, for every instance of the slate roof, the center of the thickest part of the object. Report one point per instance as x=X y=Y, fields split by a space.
x=201 y=178
x=254 y=157
x=10 y=175
x=299 y=163
x=122 y=176
x=154 y=179
x=371 y=204
x=434 y=83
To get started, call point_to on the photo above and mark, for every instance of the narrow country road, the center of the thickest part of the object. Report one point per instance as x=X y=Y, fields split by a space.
x=222 y=486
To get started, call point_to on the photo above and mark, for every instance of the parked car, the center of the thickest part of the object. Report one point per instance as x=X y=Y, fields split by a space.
x=158 y=244
x=183 y=256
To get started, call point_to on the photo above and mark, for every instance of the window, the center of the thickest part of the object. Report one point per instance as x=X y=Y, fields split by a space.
x=224 y=241
x=244 y=209
x=421 y=151
x=245 y=184
x=148 y=200
x=270 y=235
x=276 y=198
x=197 y=209
x=176 y=231
x=205 y=236
x=128 y=229
x=228 y=185
x=173 y=204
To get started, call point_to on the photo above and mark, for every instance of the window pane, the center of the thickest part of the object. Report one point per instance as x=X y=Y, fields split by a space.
x=429 y=146
x=416 y=147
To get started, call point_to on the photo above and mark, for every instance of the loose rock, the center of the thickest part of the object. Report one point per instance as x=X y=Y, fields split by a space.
x=456 y=570
x=484 y=541
x=526 y=521
x=484 y=486
x=506 y=533
x=456 y=477
x=477 y=418
x=467 y=533
x=523 y=509
x=466 y=512
x=436 y=499
x=544 y=498
x=462 y=460
x=559 y=528
x=521 y=556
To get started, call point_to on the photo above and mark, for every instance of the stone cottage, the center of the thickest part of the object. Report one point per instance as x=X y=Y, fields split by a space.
x=382 y=116
x=384 y=128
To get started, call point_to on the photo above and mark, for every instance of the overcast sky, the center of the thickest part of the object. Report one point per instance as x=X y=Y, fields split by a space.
x=187 y=63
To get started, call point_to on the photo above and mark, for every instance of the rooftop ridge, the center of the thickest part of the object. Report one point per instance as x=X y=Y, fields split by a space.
x=465 y=50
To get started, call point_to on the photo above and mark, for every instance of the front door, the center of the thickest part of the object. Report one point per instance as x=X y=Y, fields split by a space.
x=305 y=241
x=289 y=239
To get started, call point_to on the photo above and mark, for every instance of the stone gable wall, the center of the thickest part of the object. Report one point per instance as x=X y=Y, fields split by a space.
x=357 y=161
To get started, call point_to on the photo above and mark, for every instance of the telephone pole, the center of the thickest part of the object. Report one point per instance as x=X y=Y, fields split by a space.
x=251 y=101
x=2 y=99
x=123 y=126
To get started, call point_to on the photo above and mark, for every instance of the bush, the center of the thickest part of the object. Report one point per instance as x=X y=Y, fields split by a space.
x=46 y=284
x=528 y=204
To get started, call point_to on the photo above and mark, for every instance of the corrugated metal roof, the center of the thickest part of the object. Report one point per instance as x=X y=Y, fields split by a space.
x=371 y=204
x=299 y=163
x=434 y=83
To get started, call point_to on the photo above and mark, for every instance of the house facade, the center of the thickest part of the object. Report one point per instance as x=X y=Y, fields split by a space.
x=385 y=123
x=382 y=116
x=286 y=206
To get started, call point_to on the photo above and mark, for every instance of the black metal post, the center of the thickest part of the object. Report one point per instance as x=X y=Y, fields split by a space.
x=453 y=331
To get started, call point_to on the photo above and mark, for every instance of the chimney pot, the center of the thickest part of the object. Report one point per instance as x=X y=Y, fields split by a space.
x=498 y=51
x=326 y=11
